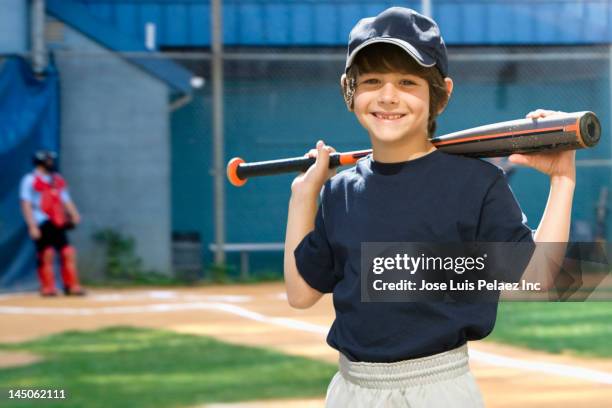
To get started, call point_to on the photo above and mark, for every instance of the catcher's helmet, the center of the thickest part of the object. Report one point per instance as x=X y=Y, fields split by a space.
x=41 y=157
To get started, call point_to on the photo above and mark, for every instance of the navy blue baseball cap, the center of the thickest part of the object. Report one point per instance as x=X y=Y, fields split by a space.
x=417 y=34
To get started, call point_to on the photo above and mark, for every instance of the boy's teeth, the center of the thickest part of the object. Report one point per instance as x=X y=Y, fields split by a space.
x=390 y=117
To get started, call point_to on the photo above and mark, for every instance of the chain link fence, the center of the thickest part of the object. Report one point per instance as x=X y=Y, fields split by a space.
x=153 y=146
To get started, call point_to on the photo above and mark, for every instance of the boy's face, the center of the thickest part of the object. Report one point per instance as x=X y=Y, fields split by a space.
x=393 y=107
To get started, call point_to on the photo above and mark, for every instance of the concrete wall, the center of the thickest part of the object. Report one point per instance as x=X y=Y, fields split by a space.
x=13 y=26
x=115 y=149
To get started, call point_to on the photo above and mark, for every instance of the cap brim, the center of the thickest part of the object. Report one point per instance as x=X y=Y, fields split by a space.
x=422 y=59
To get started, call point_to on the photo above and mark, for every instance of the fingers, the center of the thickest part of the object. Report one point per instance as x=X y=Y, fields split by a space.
x=323 y=152
x=518 y=159
x=542 y=113
x=315 y=152
x=311 y=153
x=316 y=175
x=320 y=170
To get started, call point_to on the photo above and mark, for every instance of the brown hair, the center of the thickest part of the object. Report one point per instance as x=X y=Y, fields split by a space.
x=385 y=58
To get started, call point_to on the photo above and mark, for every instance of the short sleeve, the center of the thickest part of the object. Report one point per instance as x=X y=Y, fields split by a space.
x=314 y=257
x=65 y=196
x=25 y=188
x=501 y=217
x=502 y=220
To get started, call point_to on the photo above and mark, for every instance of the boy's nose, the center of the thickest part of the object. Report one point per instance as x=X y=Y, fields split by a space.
x=388 y=94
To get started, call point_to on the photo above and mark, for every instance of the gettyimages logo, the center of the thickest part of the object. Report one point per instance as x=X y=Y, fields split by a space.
x=484 y=271
x=412 y=264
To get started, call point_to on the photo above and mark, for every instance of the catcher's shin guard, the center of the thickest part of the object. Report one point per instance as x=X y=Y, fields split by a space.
x=45 y=272
x=69 y=272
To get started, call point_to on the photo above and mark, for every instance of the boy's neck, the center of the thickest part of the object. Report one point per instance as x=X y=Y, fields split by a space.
x=401 y=152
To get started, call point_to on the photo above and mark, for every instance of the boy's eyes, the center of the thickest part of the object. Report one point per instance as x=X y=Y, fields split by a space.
x=407 y=82
x=376 y=81
x=370 y=81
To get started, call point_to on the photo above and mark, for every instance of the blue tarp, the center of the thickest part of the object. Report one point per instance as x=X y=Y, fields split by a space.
x=29 y=120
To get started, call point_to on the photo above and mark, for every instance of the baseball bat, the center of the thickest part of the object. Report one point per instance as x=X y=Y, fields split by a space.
x=566 y=131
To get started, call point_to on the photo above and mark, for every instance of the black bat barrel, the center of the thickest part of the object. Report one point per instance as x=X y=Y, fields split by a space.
x=568 y=132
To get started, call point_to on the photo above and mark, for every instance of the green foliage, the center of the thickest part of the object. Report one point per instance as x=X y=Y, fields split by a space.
x=228 y=274
x=221 y=273
x=264 y=276
x=130 y=367
x=123 y=266
x=121 y=261
x=146 y=279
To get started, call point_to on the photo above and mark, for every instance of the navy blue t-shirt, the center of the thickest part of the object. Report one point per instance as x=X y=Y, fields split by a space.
x=435 y=198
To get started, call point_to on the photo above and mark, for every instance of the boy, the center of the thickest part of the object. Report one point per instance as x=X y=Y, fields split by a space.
x=44 y=203
x=404 y=354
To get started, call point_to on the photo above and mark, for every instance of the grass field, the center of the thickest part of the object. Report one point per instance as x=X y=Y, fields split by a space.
x=128 y=367
x=579 y=328
x=125 y=366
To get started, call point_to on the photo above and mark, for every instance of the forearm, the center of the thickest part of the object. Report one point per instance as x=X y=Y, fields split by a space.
x=28 y=216
x=72 y=210
x=552 y=234
x=555 y=223
x=300 y=221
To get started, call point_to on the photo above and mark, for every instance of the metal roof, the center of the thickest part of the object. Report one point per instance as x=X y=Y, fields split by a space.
x=77 y=16
x=186 y=23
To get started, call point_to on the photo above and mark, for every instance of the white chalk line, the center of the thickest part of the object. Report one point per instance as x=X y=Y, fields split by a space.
x=168 y=295
x=164 y=308
x=150 y=294
x=14 y=295
x=562 y=370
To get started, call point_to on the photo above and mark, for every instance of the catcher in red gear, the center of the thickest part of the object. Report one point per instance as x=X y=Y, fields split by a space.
x=49 y=212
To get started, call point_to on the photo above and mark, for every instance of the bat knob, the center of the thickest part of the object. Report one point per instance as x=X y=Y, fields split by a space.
x=232 y=172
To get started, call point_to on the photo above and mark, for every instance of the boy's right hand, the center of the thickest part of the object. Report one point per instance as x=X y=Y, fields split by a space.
x=313 y=179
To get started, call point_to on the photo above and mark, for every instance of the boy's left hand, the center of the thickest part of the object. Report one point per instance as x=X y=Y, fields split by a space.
x=555 y=164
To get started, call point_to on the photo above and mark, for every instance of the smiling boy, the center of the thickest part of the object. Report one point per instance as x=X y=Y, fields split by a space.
x=404 y=354
x=391 y=104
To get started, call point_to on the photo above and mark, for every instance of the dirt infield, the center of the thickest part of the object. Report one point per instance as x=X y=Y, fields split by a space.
x=17 y=358
x=259 y=315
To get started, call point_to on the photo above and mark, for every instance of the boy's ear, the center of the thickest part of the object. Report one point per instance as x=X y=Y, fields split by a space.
x=448 y=83
x=345 y=92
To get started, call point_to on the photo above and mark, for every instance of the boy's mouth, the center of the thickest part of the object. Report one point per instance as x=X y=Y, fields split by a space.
x=388 y=115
